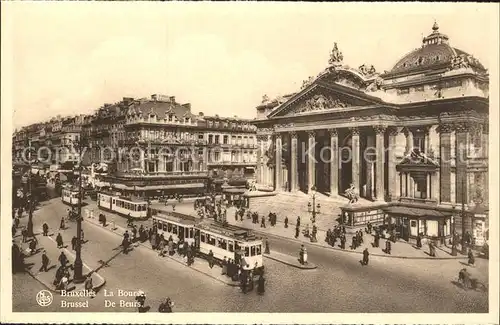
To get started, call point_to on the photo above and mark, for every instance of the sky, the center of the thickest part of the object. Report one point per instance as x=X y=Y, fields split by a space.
x=71 y=58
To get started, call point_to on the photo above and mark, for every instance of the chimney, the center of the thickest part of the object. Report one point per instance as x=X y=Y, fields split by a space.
x=172 y=99
x=154 y=97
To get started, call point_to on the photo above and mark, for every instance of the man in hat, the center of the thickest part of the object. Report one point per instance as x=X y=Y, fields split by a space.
x=45 y=262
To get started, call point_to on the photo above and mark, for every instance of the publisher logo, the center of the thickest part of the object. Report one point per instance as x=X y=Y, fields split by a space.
x=44 y=298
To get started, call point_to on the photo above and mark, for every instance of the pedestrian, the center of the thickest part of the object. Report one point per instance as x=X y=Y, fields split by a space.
x=89 y=285
x=166 y=306
x=268 y=250
x=63 y=259
x=263 y=222
x=419 y=241
x=286 y=222
x=365 y=256
x=353 y=243
x=73 y=243
x=432 y=251
x=59 y=241
x=298 y=222
x=61 y=225
x=45 y=228
x=261 y=285
x=103 y=220
x=224 y=266
x=244 y=281
x=24 y=233
x=388 y=247
x=32 y=245
x=470 y=255
x=125 y=244
x=141 y=299
x=376 y=242
x=134 y=233
x=45 y=262
x=342 y=242
x=211 y=259
x=297 y=231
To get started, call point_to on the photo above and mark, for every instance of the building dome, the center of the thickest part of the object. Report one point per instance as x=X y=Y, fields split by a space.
x=435 y=53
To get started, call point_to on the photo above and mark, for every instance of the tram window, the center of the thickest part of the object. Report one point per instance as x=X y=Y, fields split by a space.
x=191 y=233
x=114 y=201
x=223 y=244
x=236 y=246
x=202 y=237
x=155 y=222
x=165 y=227
x=258 y=250
x=231 y=246
x=252 y=251
x=169 y=227
x=212 y=240
x=208 y=239
x=247 y=251
x=174 y=229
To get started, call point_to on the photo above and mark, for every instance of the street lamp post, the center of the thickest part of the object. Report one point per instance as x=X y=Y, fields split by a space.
x=30 y=195
x=463 y=215
x=453 y=241
x=312 y=207
x=78 y=275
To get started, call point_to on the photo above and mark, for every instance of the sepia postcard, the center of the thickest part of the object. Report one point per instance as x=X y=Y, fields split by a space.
x=249 y=163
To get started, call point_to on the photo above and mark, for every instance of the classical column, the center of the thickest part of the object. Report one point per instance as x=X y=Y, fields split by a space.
x=427 y=140
x=294 y=173
x=409 y=141
x=393 y=179
x=355 y=157
x=142 y=160
x=370 y=157
x=311 y=161
x=379 y=181
x=334 y=162
x=445 y=165
x=462 y=149
x=278 y=168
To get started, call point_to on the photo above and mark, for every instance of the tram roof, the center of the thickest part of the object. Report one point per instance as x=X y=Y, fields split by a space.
x=133 y=199
x=228 y=230
x=178 y=218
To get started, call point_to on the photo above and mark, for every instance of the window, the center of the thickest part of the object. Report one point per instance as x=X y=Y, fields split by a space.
x=210 y=138
x=419 y=88
x=225 y=139
x=217 y=138
x=174 y=229
x=252 y=251
x=258 y=250
x=169 y=227
x=213 y=240
x=230 y=245
x=191 y=233
x=419 y=142
x=202 y=237
x=403 y=91
x=247 y=251
x=200 y=136
x=223 y=244
x=165 y=227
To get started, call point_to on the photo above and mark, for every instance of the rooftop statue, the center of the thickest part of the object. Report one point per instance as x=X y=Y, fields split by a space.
x=265 y=99
x=336 y=57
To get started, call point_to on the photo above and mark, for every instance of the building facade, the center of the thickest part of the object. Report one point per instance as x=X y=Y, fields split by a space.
x=151 y=146
x=414 y=139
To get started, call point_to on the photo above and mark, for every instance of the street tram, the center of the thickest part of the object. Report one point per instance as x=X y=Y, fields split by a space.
x=126 y=206
x=70 y=196
x=180 y=228
x=230 y=242
x=227 y=241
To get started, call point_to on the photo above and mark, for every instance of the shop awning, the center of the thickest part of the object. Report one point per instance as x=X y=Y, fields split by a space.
x=158 y=187
x=416 y=212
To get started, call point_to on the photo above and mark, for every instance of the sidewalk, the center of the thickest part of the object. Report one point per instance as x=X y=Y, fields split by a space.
x=199 y=265
x=34 y=263
x=400 y=249
x=289 y=260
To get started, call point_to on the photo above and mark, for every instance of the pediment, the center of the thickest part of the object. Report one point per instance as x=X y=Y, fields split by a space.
x=319 y=97
x=417 y=160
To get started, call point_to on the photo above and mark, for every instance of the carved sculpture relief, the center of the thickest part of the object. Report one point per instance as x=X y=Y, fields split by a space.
x=336 y=57
x=307 y=82
x=463 y=61
x=367 y=70
x=318 y=103
x=265 y=99
x=375 y=85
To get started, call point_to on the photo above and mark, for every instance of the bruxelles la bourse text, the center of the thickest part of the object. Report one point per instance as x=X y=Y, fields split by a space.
x=126 y=302
x=122 y=302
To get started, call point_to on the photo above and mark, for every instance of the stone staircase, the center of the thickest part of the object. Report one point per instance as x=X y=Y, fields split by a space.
x=295 y=204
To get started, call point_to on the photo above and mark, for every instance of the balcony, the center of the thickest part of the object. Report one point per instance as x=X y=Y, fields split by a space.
x=152 y=175
x=232 y=163
x=162 y=141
